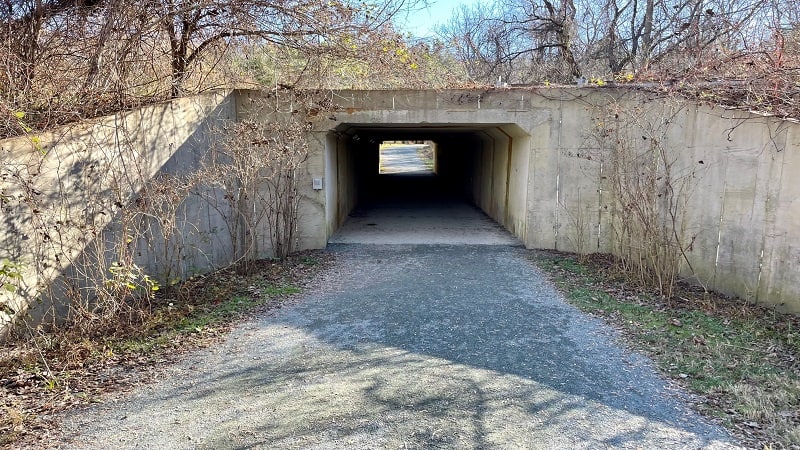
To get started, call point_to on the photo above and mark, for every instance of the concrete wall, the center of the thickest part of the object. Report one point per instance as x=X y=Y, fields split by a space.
x=744 y=209
x=741 y=214
x=315 y=218
x=495 y=130
x=551 y=187
x=64 y=189
x=529 y=158
x=341 y=176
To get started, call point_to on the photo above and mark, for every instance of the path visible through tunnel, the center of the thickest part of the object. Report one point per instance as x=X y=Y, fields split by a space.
x=403 y=158
x=409 y=346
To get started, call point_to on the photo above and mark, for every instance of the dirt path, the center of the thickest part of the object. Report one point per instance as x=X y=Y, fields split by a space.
x=436 y=346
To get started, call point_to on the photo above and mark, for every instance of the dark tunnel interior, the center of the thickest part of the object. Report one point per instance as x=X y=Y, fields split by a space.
x=454 y=159
x=472 y=169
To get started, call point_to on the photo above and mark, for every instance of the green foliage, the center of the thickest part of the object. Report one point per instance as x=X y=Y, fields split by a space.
x=18 y=122
x=226 y=310
x=309 y=261
x=132 y=278
x=9 y=273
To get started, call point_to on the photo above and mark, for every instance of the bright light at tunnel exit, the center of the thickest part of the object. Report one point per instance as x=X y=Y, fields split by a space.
x=408 y=157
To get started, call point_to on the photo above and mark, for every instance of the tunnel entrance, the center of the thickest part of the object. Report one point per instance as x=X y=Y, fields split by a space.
x=470 y=191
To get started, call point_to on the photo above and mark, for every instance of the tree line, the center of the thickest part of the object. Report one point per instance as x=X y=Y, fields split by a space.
x=62 y=60
x=84 y=57
x=528 y=41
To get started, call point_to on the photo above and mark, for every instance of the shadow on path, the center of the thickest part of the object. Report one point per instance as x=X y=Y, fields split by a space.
x=412 y=347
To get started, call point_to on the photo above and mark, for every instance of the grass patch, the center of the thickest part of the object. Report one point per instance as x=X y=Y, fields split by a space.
x=52 y=370
x=743 y=359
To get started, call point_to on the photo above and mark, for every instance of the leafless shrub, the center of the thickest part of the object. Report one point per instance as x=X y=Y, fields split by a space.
x=651 y=191
x=70 y=229
x=156 y=209
x=255 y=163
x=742 y=54
x=765 y=79
x=95 y=237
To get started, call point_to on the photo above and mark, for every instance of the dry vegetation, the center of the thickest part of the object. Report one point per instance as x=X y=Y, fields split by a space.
x=739 y=53
x=66 y=60
x=48 y=370
x=742 y=359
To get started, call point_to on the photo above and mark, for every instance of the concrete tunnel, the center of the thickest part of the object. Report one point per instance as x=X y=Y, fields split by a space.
x=480 y=166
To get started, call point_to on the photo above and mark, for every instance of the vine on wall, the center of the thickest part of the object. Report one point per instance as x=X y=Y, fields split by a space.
x=651 y=189
x=80 y=242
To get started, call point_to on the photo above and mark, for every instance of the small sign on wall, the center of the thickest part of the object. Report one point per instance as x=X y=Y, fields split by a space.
x=316 y=184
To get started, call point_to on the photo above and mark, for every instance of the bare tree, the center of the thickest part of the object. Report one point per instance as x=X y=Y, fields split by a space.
x=496 y=41
x=62 y=60
x=559 y=40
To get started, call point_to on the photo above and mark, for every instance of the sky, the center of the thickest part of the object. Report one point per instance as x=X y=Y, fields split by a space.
x=422 y=23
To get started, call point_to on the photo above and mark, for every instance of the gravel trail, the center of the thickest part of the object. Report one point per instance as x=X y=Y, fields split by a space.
x=406 y=346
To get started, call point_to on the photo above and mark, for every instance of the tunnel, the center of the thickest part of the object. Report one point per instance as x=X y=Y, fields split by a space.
x=475 y=187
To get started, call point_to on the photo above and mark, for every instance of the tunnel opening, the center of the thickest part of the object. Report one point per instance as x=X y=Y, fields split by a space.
x=472 y=190
x=407 y=157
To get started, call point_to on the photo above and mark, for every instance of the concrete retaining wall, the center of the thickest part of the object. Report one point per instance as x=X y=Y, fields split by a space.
x=551 y=188
x=742 y=212
x=528 y=158
x=64 y=192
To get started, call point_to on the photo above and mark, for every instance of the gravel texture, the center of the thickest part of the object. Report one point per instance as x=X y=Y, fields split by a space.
x=407 y=346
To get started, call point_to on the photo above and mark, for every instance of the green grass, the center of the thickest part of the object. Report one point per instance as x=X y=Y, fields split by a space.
x=226 y=310
x=198 y=318
x=741 y=358
x=281 y=290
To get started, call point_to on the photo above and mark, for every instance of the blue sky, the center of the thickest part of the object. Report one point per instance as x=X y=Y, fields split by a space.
x=421 y=23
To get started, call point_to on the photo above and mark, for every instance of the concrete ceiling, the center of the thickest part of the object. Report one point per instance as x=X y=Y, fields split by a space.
x=423 y=131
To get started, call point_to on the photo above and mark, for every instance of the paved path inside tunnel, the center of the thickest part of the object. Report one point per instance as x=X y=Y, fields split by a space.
x=418 y=221
x=409 y=346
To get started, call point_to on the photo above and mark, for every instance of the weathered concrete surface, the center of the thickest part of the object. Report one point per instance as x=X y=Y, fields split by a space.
x=65 y=189
x=409 y=347
x=528 y=158
x=532 y=161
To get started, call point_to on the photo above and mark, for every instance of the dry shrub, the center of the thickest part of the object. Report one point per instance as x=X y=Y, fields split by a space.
x=650 y=189
x=255 y=163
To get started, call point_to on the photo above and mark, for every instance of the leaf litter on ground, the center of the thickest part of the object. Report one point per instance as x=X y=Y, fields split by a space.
x=47 y=370
x=741 y=360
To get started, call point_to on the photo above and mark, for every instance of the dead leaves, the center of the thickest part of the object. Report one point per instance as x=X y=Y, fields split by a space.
x=64 y=369
x=743 y=360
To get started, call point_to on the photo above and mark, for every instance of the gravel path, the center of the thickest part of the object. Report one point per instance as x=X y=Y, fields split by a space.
x=402 y=346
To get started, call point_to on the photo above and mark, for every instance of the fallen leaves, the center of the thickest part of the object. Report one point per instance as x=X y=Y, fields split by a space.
x=61 y=370
x=742 y=360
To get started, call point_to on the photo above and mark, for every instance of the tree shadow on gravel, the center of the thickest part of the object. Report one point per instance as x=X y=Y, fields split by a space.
x=417 y=347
